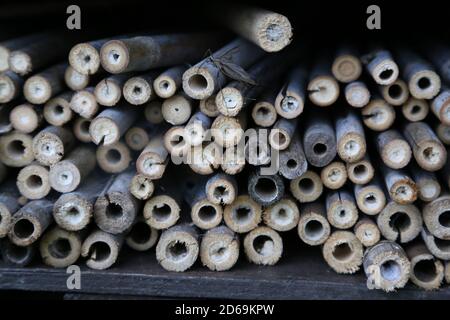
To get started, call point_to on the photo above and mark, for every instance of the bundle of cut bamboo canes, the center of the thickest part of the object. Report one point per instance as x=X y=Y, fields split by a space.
x=142 y=140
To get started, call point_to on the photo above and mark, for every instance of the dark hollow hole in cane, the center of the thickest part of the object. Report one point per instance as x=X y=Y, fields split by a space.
x=137 y=90
x=177 y=250
x=113 y=156
x=415 y=109
x=242 y=214
x=16 y=148
x=219 y=254
x=58 y=110
x=99 y=251
x=395 y=91
x=220 y=192
x=87 y=58
x=430 y=154
x=23 y=228
x=320 y=149
x=140 y=233
x=280 y=139
x=162 y=212
x=73 y=211
x=266 y=188
x=84 y=127
x=114 y=211
x=263 y=245
x=197 y=82
x=16 y=253
x=442 y=245
x=424 y=83
x=207 y=213
x=291 y=164
x=164 y=85
x=342 y=252
x=177 y=140
x=370 y=199
x=386 y=74
x=306 y=185
x=360 y=171
x=400 y=222
x=425 y=270
x=60 y=248
x=34 y=181
x=263 y=112
x=390 y=270
x=314 y=229
x=444 y=219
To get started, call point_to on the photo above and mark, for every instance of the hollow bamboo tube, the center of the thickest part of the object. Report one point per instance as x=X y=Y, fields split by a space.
x=350 y=138
x=265 y=189
x=423 y=81
x=426 y=271
x=139 y=89
x=343 y=252
x=148 y=52
x=263 y=246
x=51 y=144
x=393 y=149
x=306 y=188
x=367 y=232
x=177 y=109
x=386 y=266
x=381 y=66
x=75 y=80
x=357 y=94
x=57 y=111
x=233 y=160
x=400 y=222
x=197 y=128
x=334 y=175
x=228 y=131
x=168 y=82
x=40 y=87
x=440 y=106
x=438 y=247
x=282 y=215
x=16 y=149
x=36 y=55
x=219 y=249
x=208 y=106
x=370 y=198
x=153 y=112
x=73 y=211
x=313 y=226
x=243 y=215
x=81 y=129
x=395 y=93
x=323 y=89
x=269 y=30
x=319 y=140
x=401 y=188
x=33 y=181
x=30 y=222
x=116 y=210
x=111 y=124
x=10 y=86
x=427 y=183
x=292 y=161
x=290 y=100
x=205 y=159
x=141 y=187
x=221 y=189
x=437 y=218
x=108 y=91
x=209 y=76
x=60 y=248
x=17 y=255
x=178 y=248
x=67 y=174
x=84 y=103
x=342 y=212
x=5 y=124
x=264 y=112
x=346 y=65
x=11 y=44
x=101 y=249
x=360 y=172
x=25 y=117
x=152 y=161
x=142 y=237
x=138 y=136
x=428 y=150
x=439 y=55
x=9 y=204
x=162 y=210
x=85 y=57
x=415 y=109
x=175 y=143
x=204 y=214
x=378 y=115
x=281 y=134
